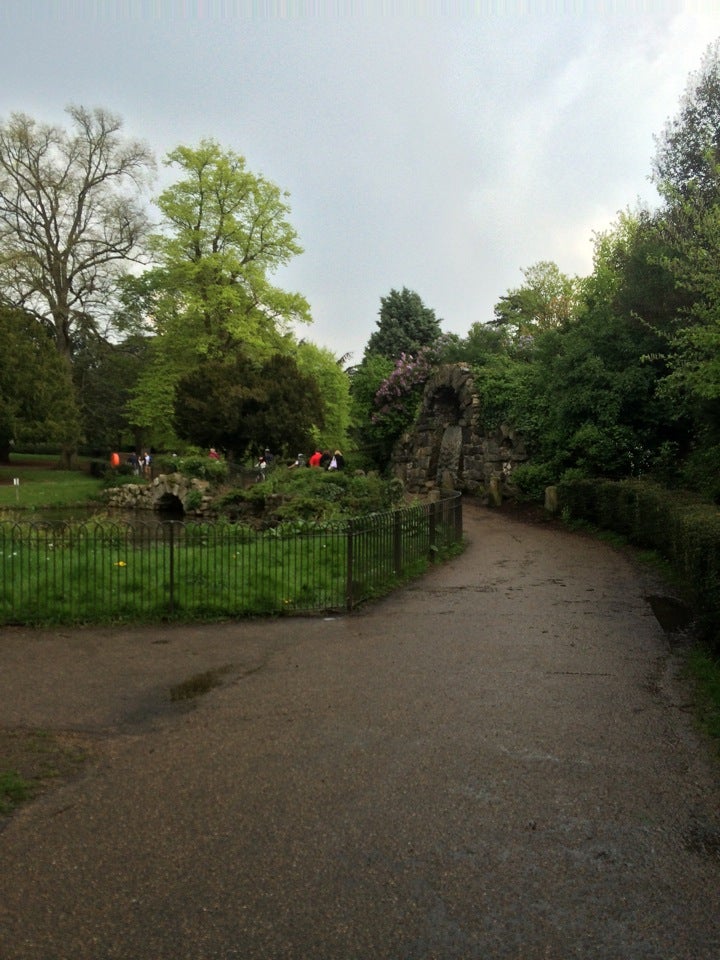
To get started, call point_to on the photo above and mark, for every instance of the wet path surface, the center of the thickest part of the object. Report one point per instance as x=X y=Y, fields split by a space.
x=497 y=762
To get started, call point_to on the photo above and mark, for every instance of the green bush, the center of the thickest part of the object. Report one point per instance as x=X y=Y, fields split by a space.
x=530 y=480
x=198 y=466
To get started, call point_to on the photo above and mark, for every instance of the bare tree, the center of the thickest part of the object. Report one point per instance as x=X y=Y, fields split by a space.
x=71 y=217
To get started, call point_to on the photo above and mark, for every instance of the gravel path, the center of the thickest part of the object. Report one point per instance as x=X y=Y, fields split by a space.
x=497 y=762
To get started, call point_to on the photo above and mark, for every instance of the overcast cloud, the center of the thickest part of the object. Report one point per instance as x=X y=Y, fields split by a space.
x=442 y=151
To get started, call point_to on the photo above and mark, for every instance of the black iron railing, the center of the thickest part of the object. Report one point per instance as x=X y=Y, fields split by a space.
x=101 y=571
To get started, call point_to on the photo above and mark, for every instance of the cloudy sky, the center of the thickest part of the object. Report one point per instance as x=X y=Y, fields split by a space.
x=436 y=145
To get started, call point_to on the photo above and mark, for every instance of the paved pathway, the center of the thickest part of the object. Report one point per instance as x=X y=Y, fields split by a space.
x=497 y=762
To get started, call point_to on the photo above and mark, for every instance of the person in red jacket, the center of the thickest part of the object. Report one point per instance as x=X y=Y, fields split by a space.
x=314 y=460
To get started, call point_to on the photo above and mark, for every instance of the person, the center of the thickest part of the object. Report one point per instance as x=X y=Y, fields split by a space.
x=261 y=467
x=114 y=460
x=300 y=462
x=268 y=456
x=133 y=463
x=339 y=460
x=314 y=460
x=146 y=461
x=214 y=455
x=325 y=460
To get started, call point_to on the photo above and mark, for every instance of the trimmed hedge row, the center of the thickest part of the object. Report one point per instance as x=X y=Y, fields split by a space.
x=680 y=526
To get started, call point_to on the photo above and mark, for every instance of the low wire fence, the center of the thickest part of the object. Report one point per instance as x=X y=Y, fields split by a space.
x=101 y=571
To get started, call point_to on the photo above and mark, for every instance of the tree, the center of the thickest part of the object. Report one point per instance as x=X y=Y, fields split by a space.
x=406 y=325
x=687 y=159
x=325 y=369
x=225 y=231
x=105 y=374
x=241 y=406
x=547 y=299
x=591 y=398
x=71 y=219
x=33 y=404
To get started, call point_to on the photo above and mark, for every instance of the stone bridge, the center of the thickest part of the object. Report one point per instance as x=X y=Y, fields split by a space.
x=171 y=492
x=447 y=446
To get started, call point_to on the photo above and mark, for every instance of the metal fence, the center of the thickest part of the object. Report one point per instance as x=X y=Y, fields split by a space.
x=101 y=571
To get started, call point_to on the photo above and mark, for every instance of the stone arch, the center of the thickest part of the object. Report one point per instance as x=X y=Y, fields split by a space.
x=446 y=447
x=169 y=503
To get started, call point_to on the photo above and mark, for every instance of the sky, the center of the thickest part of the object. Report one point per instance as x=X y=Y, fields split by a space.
x=440 y=145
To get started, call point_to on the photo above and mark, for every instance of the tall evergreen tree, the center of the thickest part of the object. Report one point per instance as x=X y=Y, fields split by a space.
x=406 y=325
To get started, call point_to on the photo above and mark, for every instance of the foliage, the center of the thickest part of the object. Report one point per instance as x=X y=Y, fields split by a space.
x=687 y=159
x=34 y=401
x=240 y=406
x=312 y=494
x=226 y=230
x=531 y=479
x=105 y=374
x=386 y=399
x=547 y=299
x=482 y=342
x=703 y=669
x=70 y=217
x=71 y=220
x=195 y=465
x=405 y=326
x=322 y=367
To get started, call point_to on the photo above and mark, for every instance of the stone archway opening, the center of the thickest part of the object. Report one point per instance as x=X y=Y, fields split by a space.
x=449 y=446
x=169 y=503
x=444 y=415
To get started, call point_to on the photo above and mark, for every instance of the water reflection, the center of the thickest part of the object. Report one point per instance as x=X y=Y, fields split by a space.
x=59 y=516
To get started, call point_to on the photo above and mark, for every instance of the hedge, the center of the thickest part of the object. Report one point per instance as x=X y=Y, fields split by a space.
x=680 y=526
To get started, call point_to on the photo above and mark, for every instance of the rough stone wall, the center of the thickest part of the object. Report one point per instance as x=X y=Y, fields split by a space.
x=447 y=449
x=162 y=492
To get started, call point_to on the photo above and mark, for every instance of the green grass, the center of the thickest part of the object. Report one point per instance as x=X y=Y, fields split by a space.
x=102 y=573
x=43 y=486
x=14 y=789
x=703 y=670
x=32 y=760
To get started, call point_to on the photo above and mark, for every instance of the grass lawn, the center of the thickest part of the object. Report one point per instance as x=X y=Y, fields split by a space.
x=42 y=485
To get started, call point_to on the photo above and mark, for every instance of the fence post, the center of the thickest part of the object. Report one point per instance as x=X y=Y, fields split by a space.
x=349 y=567
x=397 y=543
x=171 y=597
x=432 y=532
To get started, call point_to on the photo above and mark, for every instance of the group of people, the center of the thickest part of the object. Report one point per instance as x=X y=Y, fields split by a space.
x=139 y=464
x=326 y=460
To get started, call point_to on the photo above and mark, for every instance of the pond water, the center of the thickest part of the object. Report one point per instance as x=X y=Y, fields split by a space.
x=56 y=516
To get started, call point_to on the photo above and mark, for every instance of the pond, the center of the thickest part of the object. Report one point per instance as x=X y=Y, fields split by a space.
x=57 y=516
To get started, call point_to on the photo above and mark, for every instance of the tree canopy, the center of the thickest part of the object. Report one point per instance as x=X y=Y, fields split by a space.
x=71 y=217
x=243 y=407
x=33 y=402
x=225 y=231
x=405 y=325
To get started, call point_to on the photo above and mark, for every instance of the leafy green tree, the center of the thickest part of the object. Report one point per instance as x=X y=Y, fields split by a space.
x=33 y=403
x=105 y=374
x=325 y=369
x=592 y=392
x=547 y=299
x=687 y=173
x=406 y=325
x=687 y=159
x=71 y=219
x=483 y=341
x=225 y=232
x=242 y=406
